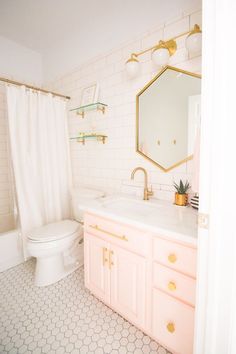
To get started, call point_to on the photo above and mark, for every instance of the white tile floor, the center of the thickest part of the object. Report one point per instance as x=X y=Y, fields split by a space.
x=62 y=318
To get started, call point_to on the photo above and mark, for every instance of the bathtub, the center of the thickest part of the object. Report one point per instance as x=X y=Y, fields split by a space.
x=7 y=223
x=11 y=252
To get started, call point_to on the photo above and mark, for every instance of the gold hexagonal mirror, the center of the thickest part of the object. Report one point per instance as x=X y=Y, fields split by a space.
x=168 y=117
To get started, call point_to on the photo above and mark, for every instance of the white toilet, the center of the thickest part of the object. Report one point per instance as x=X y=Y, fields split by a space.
x=49 y=244
x=58 y=247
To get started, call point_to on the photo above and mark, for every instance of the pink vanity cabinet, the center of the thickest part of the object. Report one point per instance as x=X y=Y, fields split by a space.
x=148 y=279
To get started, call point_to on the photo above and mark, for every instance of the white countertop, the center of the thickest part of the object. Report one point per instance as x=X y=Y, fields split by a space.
x=154 y=216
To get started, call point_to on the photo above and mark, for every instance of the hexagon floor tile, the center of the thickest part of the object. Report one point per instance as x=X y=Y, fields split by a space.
x=62 y=318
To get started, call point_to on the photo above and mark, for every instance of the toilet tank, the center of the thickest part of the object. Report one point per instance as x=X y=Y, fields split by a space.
x=84 y=196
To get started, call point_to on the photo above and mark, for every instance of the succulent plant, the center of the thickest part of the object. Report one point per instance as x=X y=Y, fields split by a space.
x=182 y=188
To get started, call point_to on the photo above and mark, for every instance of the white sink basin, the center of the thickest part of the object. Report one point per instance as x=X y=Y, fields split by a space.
x=129 y=206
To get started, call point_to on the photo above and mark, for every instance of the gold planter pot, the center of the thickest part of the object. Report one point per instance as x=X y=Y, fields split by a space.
x=181 y=199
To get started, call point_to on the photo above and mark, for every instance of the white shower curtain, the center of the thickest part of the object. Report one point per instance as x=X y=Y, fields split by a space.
x=40 y=154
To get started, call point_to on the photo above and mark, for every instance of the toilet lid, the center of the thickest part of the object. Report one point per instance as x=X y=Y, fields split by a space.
x=54 y=231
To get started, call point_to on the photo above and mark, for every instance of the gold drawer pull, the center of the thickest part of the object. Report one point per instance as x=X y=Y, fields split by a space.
x=172 y=258
x=110 y=259
x=104 y=254
x=172 y=286
x=96 y=227
x=170 y=327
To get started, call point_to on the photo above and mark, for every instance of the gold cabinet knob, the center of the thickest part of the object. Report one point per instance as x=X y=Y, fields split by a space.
x=172 y=258
x=172 y=286
x=170 y=327
x=104 y=252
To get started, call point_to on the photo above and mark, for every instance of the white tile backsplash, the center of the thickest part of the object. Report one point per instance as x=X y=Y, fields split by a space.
x=196 y=17
x=176 y=28
x=109 y=166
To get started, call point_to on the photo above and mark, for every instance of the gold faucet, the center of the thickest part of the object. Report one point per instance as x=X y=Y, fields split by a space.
x=146 y=191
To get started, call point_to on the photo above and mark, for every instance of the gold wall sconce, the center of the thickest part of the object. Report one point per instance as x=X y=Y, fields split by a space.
x=162 y=51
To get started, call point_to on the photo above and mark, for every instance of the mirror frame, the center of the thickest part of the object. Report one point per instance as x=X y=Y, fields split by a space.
x=137 y=116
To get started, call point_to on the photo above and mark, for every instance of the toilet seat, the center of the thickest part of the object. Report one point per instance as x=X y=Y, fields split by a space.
x=55 y=231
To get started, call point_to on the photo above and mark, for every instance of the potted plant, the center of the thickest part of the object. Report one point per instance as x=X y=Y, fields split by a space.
x=181 y=196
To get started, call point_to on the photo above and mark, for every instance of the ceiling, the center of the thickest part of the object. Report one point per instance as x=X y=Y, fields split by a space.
x=44 y=24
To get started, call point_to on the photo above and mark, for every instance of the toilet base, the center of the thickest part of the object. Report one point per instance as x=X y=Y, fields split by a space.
x=50 y=270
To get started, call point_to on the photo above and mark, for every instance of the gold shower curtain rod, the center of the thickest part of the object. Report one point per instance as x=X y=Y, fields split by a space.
x=32 y=87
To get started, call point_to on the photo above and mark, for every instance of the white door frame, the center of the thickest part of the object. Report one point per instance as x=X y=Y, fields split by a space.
x=215 y=327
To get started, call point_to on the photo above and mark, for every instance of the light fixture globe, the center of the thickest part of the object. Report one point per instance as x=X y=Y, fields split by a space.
x=132 y=67
x=160 y=57
x=193 y=42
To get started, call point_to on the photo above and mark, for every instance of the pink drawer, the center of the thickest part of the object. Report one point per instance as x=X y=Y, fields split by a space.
x=173 y=323
x=174 y=283
x=175 y=256
x=118 y=234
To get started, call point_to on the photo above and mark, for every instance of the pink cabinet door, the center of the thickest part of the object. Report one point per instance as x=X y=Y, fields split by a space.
x=128 y=284
x=97 y=274
x=173 y=323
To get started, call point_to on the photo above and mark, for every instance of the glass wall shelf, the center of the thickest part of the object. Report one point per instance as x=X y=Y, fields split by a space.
x=82 y=138
x=98 y=106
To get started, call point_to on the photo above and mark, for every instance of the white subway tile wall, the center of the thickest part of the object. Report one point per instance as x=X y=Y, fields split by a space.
x=6 y=199
x=109 y=166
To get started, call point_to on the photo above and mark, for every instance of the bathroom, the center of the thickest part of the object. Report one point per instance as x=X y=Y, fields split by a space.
x=106 y=58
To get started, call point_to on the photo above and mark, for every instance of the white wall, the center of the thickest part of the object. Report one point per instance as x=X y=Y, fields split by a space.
x=20 y=63
x=109 y=166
